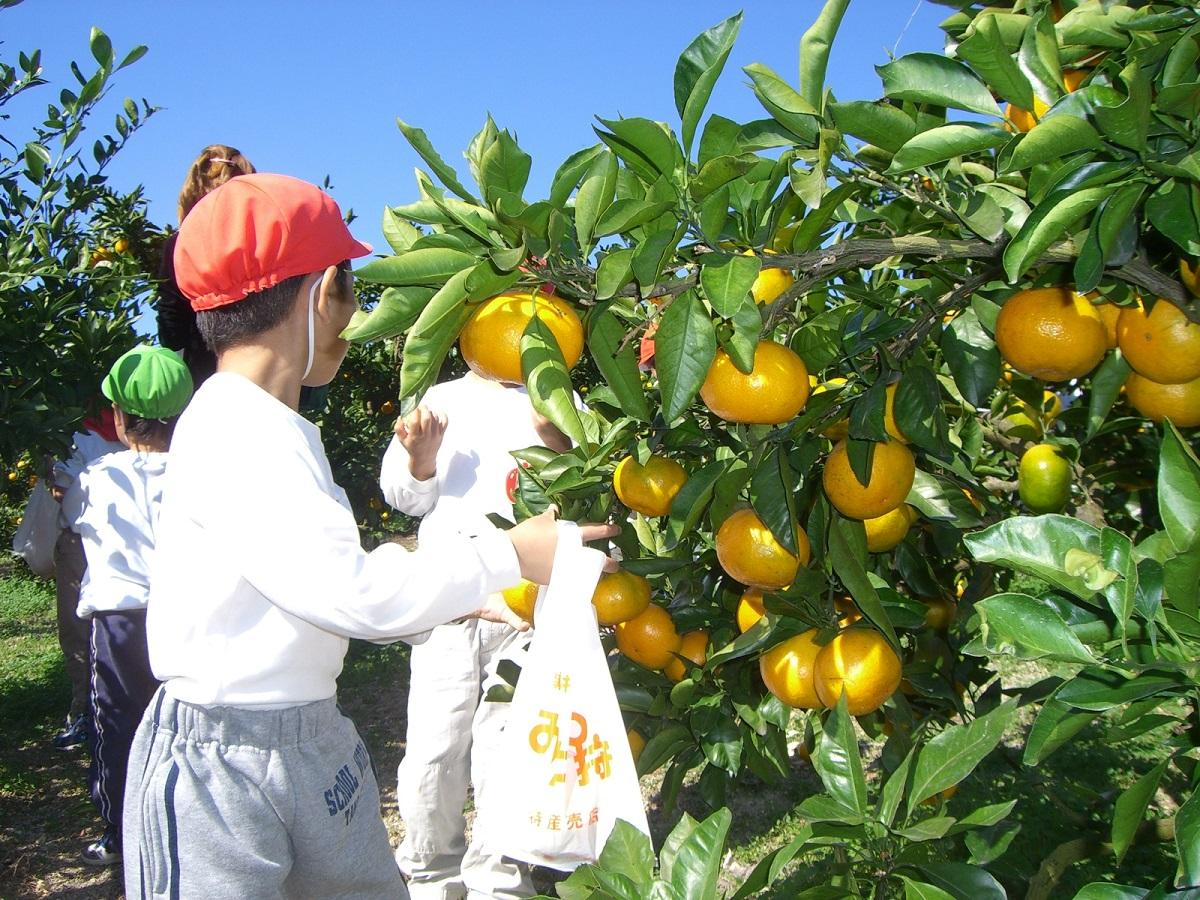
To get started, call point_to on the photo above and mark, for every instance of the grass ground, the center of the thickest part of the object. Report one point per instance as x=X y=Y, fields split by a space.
x=46 y=818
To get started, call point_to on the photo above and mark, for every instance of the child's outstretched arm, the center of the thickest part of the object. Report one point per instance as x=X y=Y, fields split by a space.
x=406 y=476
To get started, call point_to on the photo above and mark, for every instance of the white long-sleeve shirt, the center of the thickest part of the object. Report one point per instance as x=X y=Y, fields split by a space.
x=476 y=473
x=259 y=575
x=114 y=505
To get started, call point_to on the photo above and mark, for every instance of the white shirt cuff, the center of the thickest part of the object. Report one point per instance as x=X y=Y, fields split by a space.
x=499 y=560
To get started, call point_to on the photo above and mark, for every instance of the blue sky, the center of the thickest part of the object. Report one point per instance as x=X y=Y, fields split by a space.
x=314 y=88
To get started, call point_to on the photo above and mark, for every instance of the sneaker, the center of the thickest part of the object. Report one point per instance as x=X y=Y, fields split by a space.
x=75 y=734
x=103 y=852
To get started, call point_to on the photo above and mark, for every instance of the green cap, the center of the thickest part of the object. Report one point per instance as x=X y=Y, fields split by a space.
x=150 y=382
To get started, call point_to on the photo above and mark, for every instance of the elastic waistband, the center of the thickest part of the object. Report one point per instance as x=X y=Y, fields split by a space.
x=234 y=725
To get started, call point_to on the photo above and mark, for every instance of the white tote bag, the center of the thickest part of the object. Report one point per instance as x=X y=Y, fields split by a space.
x=38 y=531
x=569 y=770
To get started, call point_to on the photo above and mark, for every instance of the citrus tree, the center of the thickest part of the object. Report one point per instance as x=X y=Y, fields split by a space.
x=76 y=252
x=834 y=359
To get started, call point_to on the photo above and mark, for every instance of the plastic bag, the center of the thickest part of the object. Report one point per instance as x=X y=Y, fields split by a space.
x=38 y=531
x=569 y=770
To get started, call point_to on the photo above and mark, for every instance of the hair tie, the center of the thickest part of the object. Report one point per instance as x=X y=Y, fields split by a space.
x=220 y=159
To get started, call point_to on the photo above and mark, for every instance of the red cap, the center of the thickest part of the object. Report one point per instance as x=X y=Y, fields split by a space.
x=255 y=231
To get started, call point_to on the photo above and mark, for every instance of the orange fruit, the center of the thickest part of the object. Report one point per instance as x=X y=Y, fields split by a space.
x=693 y=646
x=841 y=427
x=886 y=531
x=774 y=391
x=650 y=638
x=619 y=596
x=522 y=598
x=637 y=743
x=770 y=283
x=1178 y=402
x=787 y=670
x=1022 y=120
x=750 y=609
x=939 y=613
x=1044 y=479
x=491 y=341
x=941 y=795
x=1109 y=313
x=847 y=610
x=1051 y=333
x=1190 y=276
x=889 y=415
x=892 y=472
x=120 y=245
x=750 y=554
x=1162 y=345
x=648 y=489
x=860 y=663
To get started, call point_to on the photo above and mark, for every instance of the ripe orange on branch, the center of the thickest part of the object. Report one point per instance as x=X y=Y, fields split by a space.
x=750 y=554
x=774 y=392
x=787 y=670
x=649 y=639
x=886 y=531
x=620 y=596
x=862 y=664
x=491 y=341
x=893 y=470
x=1162 y=344
x=1178 y=402
x=750 y=609
x=648 y=489
x=771 y=282
x=1051 y=333
x=692 y=646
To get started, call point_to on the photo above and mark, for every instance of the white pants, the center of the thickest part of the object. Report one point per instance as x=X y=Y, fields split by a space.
x=453 y=743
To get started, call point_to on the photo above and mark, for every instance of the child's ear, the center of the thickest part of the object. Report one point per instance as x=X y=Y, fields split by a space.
x=332 y=290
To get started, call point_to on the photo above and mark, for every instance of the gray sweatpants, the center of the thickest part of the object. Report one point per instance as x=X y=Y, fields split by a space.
x=229 y=802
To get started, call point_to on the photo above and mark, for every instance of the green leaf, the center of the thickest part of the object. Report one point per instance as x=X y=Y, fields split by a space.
x=685 y=347
x=1187 y=841
x=1047 y=223
x=1130 y=808
x=1054 y=137
x=690 y=502
x=894 y=789
x=1103 y=890
x=101 y=48
x=718 y=172
x=954 y=753
x=809 y=234
x=876 y=122
x=988 y=55
x=698 y=69
x=784 y=104
x=972 y=356
x=133 y=56
x=1179 y=490
x=838 y=762
x=647 y=147
x=1038 y=57
x=619 y=366
x=651 y=255
x=773 y=496
x=431 y=266
x=727 y=280
x=568 y=176
x=614 y=272
x=940 y=144
x=37 y=158
x=1115 y=216
x=504 y=168
x=1038 y=546
x=595 y=194
x=1055 y=725
x=771 y=866
x=432 y=335
x=664 y=745
x=921 y=890
x=985 y=816
x=548 y=380
x=933 y=78
x=627 y=214
x=697 y=858
x=1099 y=690
x=1107 y=381
x=628 y=852
x=918 y=410
x=815 y=45
x=394 y=314
x=941 y=500
x=1024 y=627
x=1171 y=211
x=962 y=881
x=399 y=232
x=443 y=170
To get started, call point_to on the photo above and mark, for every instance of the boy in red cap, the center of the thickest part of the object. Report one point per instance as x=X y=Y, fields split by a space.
x=245 y=779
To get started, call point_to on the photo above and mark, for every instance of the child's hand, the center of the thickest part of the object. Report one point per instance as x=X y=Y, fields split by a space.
x=420 y=432
x=536 y=539
x=497 y=610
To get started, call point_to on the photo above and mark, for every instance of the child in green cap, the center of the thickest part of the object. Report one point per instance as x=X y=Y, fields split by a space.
x=114 y=507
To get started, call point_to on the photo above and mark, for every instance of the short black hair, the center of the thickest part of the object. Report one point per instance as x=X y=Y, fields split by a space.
x=236 y=323
x=150 y=431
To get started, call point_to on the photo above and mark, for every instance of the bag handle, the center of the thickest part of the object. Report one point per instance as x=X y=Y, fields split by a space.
x=573 y=576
